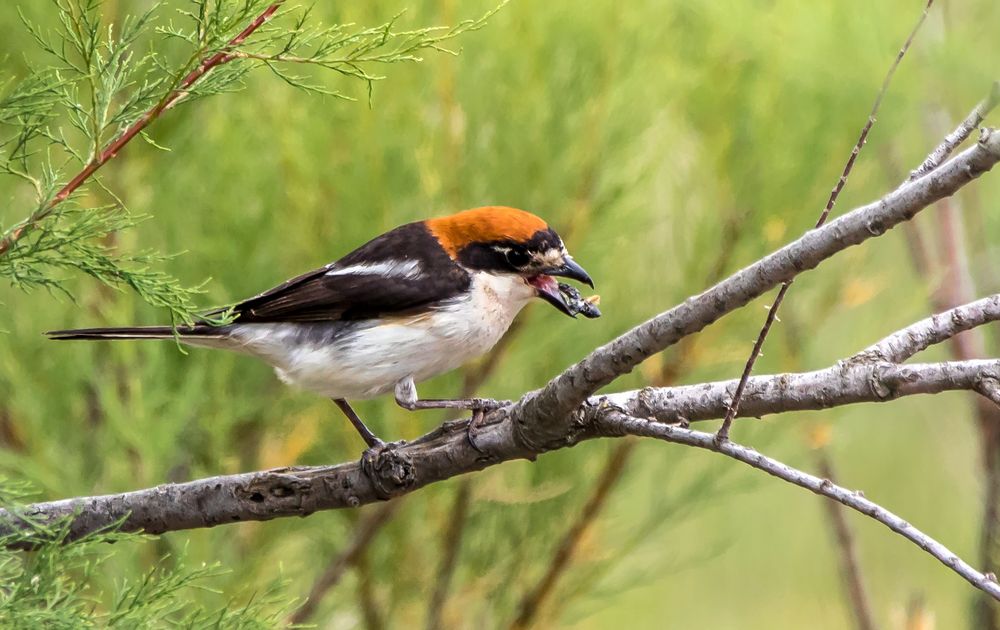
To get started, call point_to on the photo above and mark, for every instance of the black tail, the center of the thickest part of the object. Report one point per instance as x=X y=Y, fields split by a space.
x=136 y=332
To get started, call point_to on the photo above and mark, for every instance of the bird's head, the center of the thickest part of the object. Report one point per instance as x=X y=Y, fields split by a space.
x=508 y=241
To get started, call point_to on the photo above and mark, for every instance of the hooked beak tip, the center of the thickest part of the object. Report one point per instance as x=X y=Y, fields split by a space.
x=572 y=270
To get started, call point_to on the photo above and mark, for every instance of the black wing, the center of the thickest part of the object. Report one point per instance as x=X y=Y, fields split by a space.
x=401 y=272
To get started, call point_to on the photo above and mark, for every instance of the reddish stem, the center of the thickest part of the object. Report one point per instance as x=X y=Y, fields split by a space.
x=110 y=151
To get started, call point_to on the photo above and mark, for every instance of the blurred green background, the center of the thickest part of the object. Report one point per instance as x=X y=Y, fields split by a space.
x=663 y=140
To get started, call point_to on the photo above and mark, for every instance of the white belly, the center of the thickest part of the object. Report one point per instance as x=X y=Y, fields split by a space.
x=368 y=360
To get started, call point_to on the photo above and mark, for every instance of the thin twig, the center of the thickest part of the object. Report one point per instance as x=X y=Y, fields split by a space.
x=536 y=597
x=852 y=499
x=850 y=568
x=772 y=312
x=959 y=135
x=904 y=344
x=111 y=150
x=370 y=525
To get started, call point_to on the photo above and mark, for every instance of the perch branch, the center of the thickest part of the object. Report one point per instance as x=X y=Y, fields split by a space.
x=447 y=452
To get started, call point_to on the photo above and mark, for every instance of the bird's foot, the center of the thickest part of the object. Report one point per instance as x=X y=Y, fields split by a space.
x=486 y=405
x=388 y=468
x=472 y=430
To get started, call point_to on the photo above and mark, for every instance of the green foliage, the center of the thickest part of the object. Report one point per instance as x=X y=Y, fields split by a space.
x=652 y=135
x=53 y=585
x=101 y=84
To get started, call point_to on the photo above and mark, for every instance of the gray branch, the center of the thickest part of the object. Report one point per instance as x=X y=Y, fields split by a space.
x=960 y=134
x=448 y=452
x=853 y=499
x=551 y=406
x=902 y=345
x=565 y=412
x=843 y=384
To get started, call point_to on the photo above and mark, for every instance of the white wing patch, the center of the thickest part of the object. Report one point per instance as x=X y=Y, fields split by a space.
x=408 y=269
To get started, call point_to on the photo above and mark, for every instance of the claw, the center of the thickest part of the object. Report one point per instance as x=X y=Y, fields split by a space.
x=474 y=424
x=389 y=470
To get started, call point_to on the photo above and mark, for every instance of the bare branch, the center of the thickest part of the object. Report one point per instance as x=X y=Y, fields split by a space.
x=960 y=134
x=552 y=405
x=902 y=345
x=850 y=568
x=842 y=384
x=447 y=452
x=855 y=500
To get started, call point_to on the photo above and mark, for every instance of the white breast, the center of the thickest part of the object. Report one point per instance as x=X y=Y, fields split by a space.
x=367 y=361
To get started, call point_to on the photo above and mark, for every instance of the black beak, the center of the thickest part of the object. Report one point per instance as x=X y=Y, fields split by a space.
x=569 y=269
x=553 y=293
x=548 y=290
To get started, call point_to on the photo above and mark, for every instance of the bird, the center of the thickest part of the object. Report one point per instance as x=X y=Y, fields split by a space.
x=417 y=301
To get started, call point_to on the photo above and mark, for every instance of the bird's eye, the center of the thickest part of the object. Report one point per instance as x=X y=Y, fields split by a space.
x=517 y=258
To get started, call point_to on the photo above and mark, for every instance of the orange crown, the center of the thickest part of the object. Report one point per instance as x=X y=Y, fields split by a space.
x=489 y=223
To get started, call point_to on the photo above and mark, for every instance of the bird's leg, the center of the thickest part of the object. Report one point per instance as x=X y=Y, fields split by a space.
x=366 y=434
x=388 y=468
x=473 y=429
x=406 y=397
